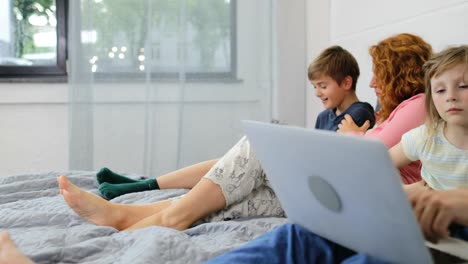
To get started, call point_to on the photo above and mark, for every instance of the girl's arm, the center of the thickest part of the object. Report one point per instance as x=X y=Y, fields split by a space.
x=398 y=156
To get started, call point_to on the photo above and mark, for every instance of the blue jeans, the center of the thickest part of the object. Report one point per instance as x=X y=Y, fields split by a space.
x=293 y=244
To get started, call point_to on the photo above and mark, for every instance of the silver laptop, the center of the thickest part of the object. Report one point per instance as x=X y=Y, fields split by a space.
x=341 y=187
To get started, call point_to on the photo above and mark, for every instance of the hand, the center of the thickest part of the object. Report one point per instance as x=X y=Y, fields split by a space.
x=436 y=210
x=413 y=191
x=348 y=125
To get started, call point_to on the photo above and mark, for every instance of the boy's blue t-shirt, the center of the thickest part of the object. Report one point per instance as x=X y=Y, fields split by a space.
x=359 y=111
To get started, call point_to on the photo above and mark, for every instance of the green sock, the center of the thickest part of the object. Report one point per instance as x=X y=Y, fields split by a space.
x=106 y=175
x=110 y=191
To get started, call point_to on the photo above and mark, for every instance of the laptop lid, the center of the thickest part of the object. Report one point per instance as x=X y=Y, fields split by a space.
x=341 y=187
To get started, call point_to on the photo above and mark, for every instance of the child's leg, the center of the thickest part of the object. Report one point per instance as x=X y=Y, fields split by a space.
x=233 y=178
x=113 y=184
x=110 y=191
x=187 y=177
x=205 y=198
x=101 y=212
x=237 y=174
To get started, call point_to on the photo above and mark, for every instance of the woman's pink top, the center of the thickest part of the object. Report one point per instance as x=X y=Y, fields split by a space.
x=409 y=114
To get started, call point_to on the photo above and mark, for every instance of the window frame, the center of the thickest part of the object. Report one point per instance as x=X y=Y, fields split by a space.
x=59 y=69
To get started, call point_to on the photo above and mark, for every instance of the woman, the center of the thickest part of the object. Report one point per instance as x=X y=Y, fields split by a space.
x=235 y=186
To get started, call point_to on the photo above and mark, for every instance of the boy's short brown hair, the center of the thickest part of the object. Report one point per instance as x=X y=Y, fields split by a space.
x=335 y=62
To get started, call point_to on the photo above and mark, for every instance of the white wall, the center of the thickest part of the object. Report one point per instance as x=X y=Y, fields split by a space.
x=318 y=38
x=357 y=24
x=33 y=128
x=290 y=99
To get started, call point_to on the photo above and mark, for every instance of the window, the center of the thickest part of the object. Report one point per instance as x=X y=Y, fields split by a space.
x=159 y=39
x=128 y=39
x=33 y=42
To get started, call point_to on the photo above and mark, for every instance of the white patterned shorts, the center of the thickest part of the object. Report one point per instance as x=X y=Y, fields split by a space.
x=244 y=185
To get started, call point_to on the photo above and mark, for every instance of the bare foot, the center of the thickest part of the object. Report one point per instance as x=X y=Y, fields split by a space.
x=9 y=253
x=87 y=205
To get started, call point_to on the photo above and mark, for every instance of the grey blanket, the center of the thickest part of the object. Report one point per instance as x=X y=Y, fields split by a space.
x=48 y=231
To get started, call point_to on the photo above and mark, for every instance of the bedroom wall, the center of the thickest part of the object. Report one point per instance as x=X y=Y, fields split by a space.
x=33 y=127
x=357 y=24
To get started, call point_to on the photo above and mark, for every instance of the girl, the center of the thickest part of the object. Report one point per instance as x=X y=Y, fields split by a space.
x=442 y=143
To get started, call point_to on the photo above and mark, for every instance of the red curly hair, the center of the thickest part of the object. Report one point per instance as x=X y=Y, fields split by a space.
x=398 y=69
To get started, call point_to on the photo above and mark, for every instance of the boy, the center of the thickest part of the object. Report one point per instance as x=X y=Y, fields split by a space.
x=334 y=75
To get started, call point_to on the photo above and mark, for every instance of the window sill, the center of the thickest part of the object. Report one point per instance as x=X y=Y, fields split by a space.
x=32 y=79
x=110 y=78
x=158 y=77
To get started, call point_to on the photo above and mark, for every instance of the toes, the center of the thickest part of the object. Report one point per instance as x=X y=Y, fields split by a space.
x=62 y=181
x=4 y=236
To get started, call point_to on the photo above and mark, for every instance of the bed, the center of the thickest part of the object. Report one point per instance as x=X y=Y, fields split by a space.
x=48 y=231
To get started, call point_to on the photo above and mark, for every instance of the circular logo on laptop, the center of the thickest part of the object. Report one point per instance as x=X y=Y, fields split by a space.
x=324 y=193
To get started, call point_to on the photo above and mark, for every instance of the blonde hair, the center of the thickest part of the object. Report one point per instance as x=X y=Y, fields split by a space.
x=440 y=63
x=397 y=66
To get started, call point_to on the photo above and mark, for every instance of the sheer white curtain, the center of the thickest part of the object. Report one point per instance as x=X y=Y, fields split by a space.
x=160 y=84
